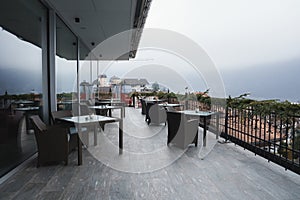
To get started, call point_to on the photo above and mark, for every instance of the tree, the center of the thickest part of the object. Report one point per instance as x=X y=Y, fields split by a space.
x=155 y=86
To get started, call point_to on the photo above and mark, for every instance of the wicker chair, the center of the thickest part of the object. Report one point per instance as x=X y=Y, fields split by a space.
x=148 y=106
x=52 y=142
x=55 y=115
x=143 y=104
x=157 y=115
x=181 y=131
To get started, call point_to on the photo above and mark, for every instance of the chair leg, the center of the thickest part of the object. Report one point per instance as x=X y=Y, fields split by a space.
x=66 y=161
x=38 y=164
x=196 y=139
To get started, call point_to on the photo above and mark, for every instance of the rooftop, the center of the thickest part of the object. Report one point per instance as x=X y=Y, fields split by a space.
x=225 y=172
x=134 y=81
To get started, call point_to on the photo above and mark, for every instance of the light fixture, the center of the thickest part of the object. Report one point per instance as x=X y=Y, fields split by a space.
x=77 y=20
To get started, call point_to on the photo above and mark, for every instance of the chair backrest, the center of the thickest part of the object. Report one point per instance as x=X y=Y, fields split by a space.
x=176 y=121
x=157 y=114
x=59 y=114
x=170 y=108
x=38 y=124
x=148 y=106
x=182 y=131
x=84 y=109
x=90 y=102
x=143 y=104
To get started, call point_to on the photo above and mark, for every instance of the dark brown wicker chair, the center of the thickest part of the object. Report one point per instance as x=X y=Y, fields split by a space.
x=55 y=115
x=52 y=142
x=181 y=131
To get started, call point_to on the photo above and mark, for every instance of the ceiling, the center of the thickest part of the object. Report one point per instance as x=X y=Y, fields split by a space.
x=98 y=21
x=23 y=19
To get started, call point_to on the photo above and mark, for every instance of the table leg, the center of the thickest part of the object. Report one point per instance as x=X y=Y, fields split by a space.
x=122 y=112
x=121 y=136
x=204 y=131
x=217 y=124
x=109 y=111
x=95 y=135
x=79 y=150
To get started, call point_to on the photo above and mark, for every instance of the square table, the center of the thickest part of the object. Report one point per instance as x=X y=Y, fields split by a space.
x=105 y=107
x=204 y=115
x=28 y=111
x=173 y=105
x=93 y=120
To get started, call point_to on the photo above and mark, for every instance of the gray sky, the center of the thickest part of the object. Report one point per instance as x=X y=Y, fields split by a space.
x=235 y=33
x=256 y=39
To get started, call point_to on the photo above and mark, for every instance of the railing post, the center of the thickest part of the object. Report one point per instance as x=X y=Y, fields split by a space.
x=226 y=123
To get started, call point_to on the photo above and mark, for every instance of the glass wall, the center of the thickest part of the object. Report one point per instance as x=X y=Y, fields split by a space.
x=85 y=73
x=21 y=33
x=66 y=66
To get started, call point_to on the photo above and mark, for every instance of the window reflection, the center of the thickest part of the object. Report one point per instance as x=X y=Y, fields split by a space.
x=21 y=79
x=66 y=65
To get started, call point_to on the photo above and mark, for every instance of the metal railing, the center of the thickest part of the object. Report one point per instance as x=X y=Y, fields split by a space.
x=272 y=135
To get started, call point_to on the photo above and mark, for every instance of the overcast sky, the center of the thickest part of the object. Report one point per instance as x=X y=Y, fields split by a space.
x=235 y=33
x=244 y=38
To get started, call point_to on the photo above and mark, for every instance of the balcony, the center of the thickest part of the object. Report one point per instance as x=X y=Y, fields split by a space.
x=217 y=171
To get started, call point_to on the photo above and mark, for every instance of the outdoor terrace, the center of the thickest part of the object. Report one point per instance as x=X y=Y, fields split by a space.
x=218 y=171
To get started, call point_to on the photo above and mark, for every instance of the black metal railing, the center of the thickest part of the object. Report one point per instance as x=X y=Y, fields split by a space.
x=271 y=135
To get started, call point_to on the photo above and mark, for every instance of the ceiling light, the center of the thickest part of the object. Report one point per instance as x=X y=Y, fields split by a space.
x=77 y=20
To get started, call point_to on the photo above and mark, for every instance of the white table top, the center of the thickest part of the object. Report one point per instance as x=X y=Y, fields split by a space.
x=89 y=119
x=170 y=104
x=26 y=108
x=198 y=113
x=105 y=107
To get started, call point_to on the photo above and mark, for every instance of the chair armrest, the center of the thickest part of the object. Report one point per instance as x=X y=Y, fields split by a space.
x=193 y=121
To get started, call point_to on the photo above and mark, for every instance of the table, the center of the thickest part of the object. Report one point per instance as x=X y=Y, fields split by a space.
x=173 y=105
x=24 y=102
x=204 y=115
x=122 y=108
x=109 y=102
x=93 y=120
x=27 y=112
x=153 y=101
x=65 y=105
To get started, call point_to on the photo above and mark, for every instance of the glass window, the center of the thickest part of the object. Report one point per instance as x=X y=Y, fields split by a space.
x=21 y=28
x=66 y=66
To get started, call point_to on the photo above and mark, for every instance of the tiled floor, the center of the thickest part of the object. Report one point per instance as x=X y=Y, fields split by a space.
x=149 y=169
